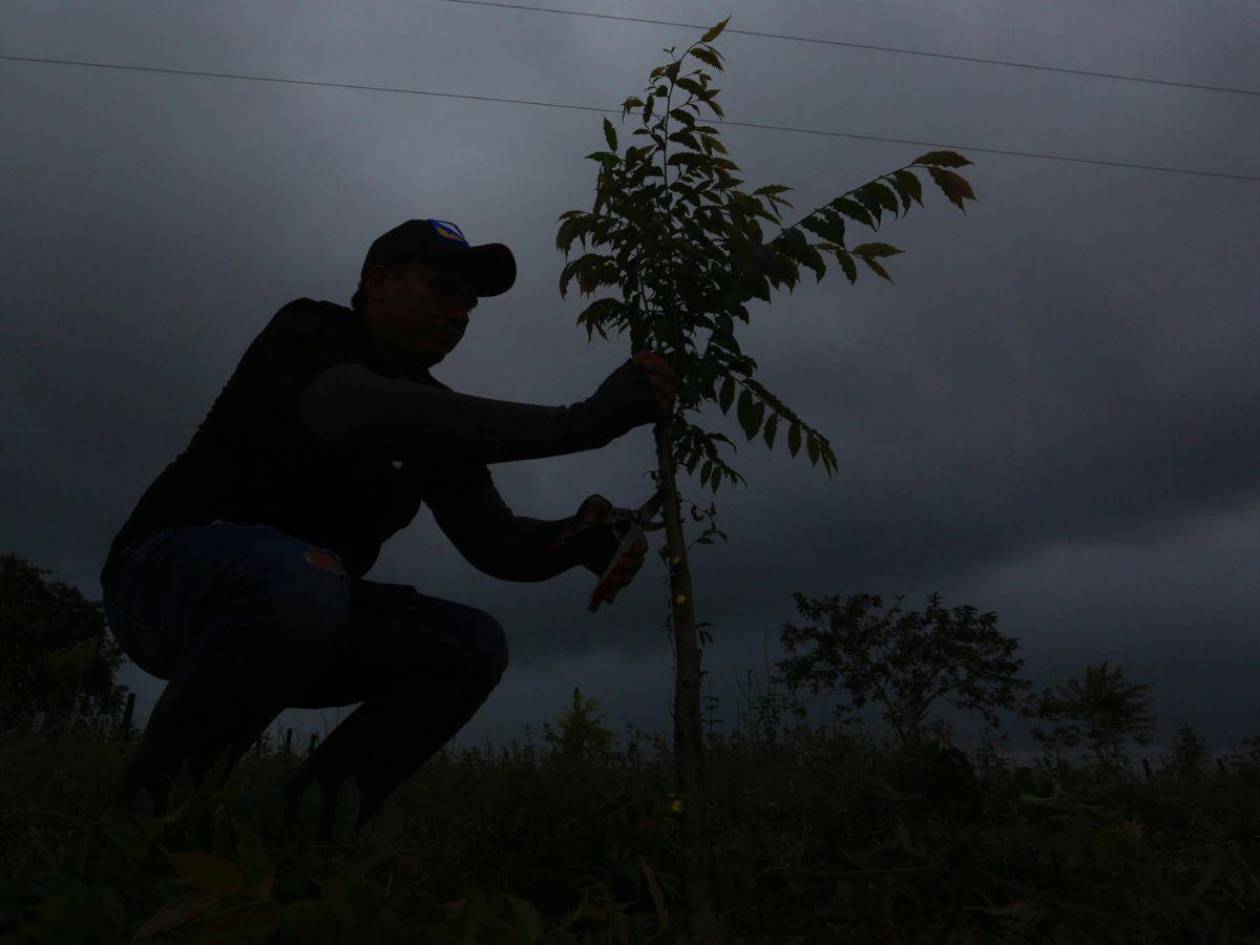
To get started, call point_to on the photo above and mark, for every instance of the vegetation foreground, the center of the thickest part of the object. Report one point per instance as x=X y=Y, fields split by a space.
x=819 y=836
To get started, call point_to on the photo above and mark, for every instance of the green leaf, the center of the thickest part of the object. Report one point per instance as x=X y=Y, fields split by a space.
x=851 y=209
x=727 y=394
x=792 y=242
x=771 y=189
x=876 y=249
x=705 y=471
x=827 y=223
x=715 y=31
x=687 y=138
x=750 y=413
x=587 y=267
x=708 y=97
x=942 y=158
x=791 y=238
x=813 y=451
x=777 y=201
x=885 y=197
x=577 y=224
x=908 y=186
x=727 y=182
x=690 y=158
x=870 y=200
x=954 y=185
x=710 y=56
x=828 y=457
x=771 y=425
x=794 y=439
x=814 y=260
x=848 y=265
x=636 y=156
x=595 y=315
x=877 y=268
x=779 y=268
x=681 y=114
x=610 y=134
x=751 y=282
x=758 y=413
x=692 y=86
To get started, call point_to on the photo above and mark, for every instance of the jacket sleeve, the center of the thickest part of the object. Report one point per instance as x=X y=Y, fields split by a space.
x=352 y=406
x=493 y=540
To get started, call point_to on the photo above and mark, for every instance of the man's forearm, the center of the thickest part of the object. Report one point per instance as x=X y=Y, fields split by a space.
x=353 y=407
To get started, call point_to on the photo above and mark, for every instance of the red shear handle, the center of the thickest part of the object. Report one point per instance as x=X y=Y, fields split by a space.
x=600 y=592
x=631 y=551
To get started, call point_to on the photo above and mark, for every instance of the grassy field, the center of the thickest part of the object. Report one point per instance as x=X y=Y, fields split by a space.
x=819 y=836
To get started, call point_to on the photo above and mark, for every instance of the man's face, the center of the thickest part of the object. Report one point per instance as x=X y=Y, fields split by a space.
x=417 y=316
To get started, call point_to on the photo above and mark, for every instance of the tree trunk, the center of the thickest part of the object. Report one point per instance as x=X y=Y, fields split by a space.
x=688 y=733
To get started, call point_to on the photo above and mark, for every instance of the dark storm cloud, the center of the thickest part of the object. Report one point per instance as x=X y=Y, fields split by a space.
x=1052 y=414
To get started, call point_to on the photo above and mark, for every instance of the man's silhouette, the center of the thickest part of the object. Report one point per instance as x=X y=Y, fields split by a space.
x=238 y=577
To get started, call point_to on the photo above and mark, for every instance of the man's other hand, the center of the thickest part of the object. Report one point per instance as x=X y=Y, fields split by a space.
x=599 y=541
x=662 y=378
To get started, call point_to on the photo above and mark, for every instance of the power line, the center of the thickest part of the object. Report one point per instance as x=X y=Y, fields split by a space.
x=833 y=42
x=617 y=111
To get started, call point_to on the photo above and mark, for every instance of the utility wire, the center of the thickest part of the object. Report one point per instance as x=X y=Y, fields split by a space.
x=833 y=42
x=617 y=111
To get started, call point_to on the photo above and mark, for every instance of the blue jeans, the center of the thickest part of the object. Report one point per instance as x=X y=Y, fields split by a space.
x=245 y=621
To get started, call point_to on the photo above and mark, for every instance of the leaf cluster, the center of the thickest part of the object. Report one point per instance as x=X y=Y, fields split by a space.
x=582 y=734
x=686 y=253
x=56 y=656
x=903 y=663
x=818 y=832
x=1104 y=711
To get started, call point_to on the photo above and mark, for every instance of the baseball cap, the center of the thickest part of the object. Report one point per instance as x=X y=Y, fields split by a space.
x=490 y=266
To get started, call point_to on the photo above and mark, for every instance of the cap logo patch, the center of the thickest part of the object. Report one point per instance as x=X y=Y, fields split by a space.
x=449 y=231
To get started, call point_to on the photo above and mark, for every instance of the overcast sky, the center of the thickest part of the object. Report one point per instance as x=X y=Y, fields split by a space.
x=1051 y=415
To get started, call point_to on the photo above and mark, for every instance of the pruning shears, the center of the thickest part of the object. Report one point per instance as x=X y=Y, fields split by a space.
x=635 y=522
x=630 y=524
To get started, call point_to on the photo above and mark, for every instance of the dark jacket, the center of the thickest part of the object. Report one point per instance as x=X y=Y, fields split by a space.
x=311 y=436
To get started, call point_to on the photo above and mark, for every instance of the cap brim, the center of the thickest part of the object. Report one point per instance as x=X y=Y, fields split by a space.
x=491 y=266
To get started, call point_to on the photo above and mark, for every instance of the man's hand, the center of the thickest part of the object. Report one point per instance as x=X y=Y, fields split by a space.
x=662 y=379
x=594 y=534
x=627 y=567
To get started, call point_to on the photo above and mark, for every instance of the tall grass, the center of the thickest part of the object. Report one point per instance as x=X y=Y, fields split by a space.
x=819 y=835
